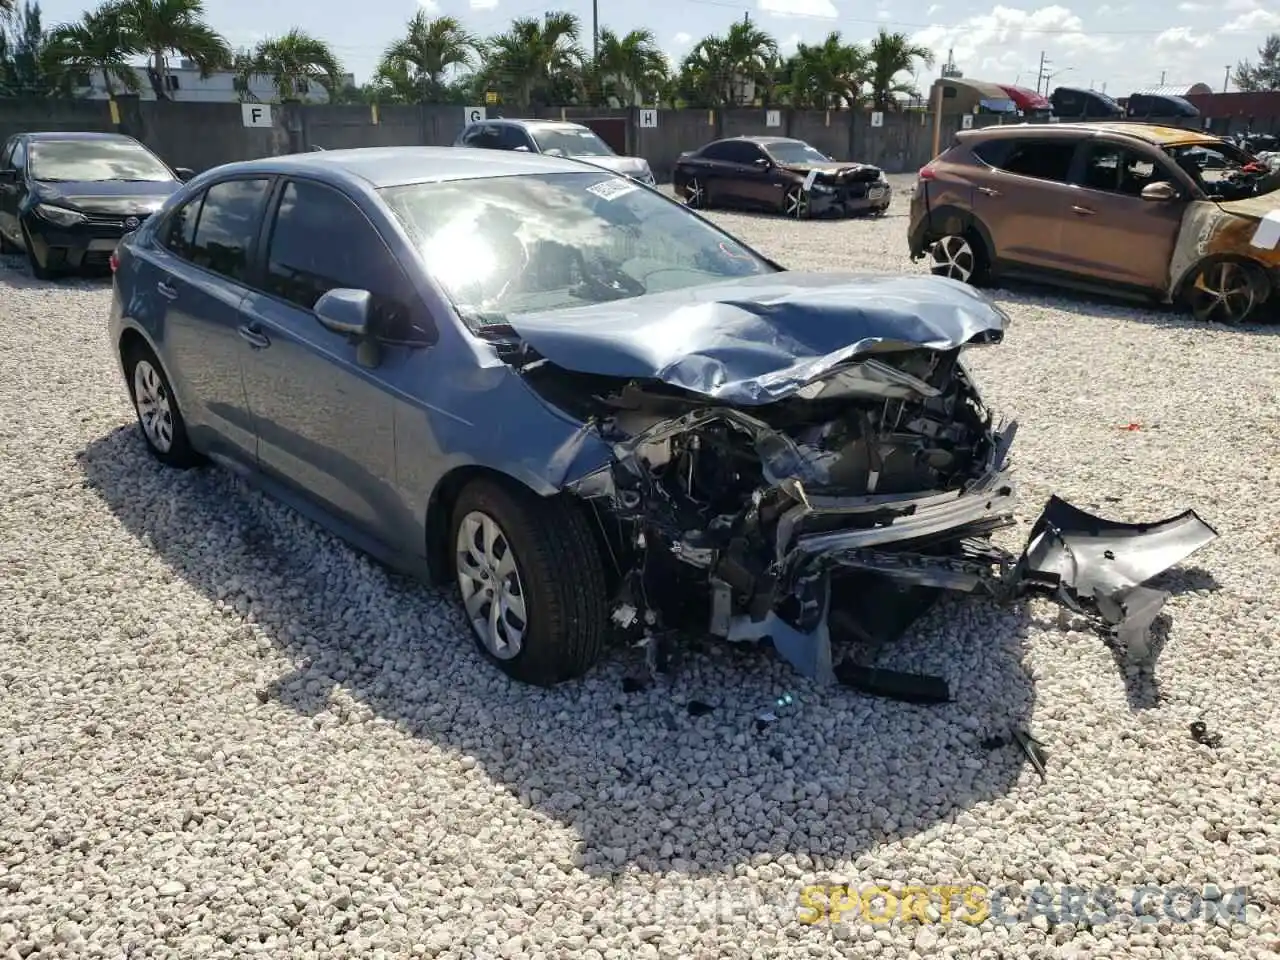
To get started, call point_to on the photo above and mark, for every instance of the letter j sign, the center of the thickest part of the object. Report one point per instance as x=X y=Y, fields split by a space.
x=256 y=114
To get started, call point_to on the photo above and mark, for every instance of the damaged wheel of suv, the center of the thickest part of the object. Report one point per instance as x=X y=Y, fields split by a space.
x=531 y=582
x=1225 y=291
x=959 y=256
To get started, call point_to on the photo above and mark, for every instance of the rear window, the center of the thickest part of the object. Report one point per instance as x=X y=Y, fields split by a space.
x=1040 y=159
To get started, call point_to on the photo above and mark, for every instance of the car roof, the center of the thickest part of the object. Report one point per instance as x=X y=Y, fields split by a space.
x=38 y=135
x=764 y=141
x=1152 y=133
x=397 y=166
x=537 y=124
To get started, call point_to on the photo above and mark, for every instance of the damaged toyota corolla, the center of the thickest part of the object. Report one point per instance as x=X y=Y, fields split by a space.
x=595 y=411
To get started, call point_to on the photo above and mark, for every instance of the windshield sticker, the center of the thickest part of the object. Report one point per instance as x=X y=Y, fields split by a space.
x=1268 y=233
x=612 y=189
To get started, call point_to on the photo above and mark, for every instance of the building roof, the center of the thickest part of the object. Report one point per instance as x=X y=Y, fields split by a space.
x=1174 y=90
x=393 y=166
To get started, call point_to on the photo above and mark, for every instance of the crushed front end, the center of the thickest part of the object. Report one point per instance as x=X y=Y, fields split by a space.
x=843 y=506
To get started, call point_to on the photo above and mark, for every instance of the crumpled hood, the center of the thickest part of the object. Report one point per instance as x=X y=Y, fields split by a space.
x=111 y=197
x=856 y=171
x=627 y=166
x=1253 y=207
x=761 y=338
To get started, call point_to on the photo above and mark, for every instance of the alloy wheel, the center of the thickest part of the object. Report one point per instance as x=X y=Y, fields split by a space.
x=1223 y=292
x=155 y=412
x=492 y=591
x=797 y=203
x=695 y=195
x=953 y=257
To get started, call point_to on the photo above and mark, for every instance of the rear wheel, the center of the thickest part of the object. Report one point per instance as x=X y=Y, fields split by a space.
x=695 y=194
x=531 y=582
x=1225 y=291
x=159 y=418
x=960 y=256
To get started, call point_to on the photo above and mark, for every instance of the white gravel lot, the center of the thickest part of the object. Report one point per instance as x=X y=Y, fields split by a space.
x=222 y=732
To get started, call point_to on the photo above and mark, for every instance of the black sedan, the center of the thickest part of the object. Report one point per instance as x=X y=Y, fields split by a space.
x=779 y=175
x=66 y=199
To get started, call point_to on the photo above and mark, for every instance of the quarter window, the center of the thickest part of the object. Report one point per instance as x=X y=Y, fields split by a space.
x=180 y=234
x=1041 y=159
x=320 y=242
x=19 y=159
x=227 y=227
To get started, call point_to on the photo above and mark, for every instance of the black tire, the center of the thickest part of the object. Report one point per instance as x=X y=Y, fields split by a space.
x=961 y=256
x=561 y=580
x=37 y=271
x=795 y=203
x=8 y=247
x=694 y=194
x=1225 y=291
x=179 y=453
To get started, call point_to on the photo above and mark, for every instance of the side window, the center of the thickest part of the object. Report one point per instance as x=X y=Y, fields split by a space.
x=1114 y=168
x=993 y=152
x=716 y=151
x=1041 y=159
x=180 y=231
x=743 y=152
x=228 y=226
x=18 y=161
x=473 y=135
x=321 y=241
x=511 y=137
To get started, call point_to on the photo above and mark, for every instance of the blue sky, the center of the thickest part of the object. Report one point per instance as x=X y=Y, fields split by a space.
x=1122 y=44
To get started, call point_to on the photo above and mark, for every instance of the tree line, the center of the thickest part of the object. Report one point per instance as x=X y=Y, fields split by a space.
x=536 y=62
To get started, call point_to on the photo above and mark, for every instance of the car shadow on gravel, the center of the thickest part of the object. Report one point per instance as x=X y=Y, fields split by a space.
x=17 y=274
x=767 y=764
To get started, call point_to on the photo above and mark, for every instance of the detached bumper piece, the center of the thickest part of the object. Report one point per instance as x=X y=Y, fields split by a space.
x=1094 y=567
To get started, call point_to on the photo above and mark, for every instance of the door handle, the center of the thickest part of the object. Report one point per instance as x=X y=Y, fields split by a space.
x=1083 y=211
x=989 y=191
x=254 y=338
x=166 y=291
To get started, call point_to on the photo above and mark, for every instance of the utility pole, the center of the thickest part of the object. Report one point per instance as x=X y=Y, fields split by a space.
x=1162 y=73
x=1226 y=81
x=1040 y=73
x=595 y=31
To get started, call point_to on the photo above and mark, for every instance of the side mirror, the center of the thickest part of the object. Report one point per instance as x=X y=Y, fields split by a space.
x=763 y=163
x=184 y=173
x=345 y=311
x=521 y=149
x=1161 y=191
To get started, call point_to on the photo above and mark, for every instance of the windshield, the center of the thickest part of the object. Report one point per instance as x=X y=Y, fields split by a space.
x=95 y=160
x=1224 y=171
x=795 y=151
x=527 y=244
x=573 y=142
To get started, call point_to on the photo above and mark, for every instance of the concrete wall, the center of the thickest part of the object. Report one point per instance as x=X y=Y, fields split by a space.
x=204 y=135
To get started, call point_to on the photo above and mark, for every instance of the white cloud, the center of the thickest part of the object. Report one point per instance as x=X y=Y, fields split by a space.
x=933 y=8
x=1192 y=7
x=822 y=9
x=1256 y=21
x=882 y=14
x=429 y=5
x=681 y=39
x=483 y=4
x=1181 y=39
x=1237 y=6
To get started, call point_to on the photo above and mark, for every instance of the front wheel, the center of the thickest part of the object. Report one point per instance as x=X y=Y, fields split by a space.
x=795 y=203
x=960 y=257
x=531 y=582
x=1225 y=291
x=37 y=270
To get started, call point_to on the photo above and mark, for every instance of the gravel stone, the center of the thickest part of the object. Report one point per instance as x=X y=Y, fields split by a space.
x=223 y=732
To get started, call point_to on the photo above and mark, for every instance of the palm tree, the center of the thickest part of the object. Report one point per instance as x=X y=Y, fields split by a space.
x=629 y=65
x=158 y=28
x=25 y=67
x=706 y=77
x=892 y=54
x=718 y=70
x=98 y=42
x=415 y=65
x=825 y=75
x=749 y=52
x=293 y=62
x=537 y=59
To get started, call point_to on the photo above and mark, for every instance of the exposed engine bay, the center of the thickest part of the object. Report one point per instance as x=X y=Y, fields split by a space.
x=883 y=478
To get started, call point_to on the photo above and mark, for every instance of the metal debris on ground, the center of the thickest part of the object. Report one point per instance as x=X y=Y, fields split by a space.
x=907 y=687
x=1034 y=750
x=1200 y=734
x=697 y=708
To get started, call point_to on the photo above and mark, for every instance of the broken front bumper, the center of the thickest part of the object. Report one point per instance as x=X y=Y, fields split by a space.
x=1090 y=565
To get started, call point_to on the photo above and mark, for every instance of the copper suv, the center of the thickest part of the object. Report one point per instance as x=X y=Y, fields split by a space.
x=1131 y=208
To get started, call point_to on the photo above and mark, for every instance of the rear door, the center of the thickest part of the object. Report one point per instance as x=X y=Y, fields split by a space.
x=326 y=422
x=1022 y=194
x=10 y=192
x=1109 y=231
x=187 y=293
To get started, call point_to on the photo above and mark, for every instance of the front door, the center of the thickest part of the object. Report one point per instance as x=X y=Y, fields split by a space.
x=1108 y=231
x=325 y=421
x=750 y=178
x=12 y=185
x=189 y=293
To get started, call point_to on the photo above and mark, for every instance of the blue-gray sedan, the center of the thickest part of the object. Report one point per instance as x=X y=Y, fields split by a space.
x=587 y=407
